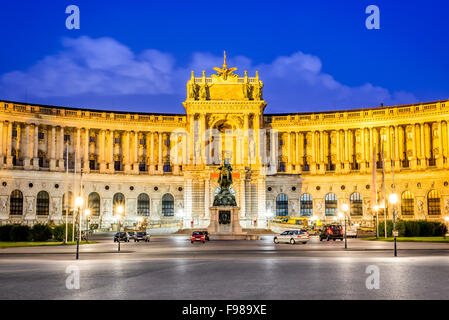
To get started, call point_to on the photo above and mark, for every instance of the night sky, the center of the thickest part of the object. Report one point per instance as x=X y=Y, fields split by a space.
x=137 y=55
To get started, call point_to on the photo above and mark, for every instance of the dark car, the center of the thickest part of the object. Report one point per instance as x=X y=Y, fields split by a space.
x=124 y=237
x=142 y=236
x=332 y=232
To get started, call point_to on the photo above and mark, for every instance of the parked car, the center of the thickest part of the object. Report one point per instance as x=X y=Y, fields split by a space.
x=131 y=234
x=124 y=237
x=351 y=232
x=142 y=236
x=292 y=236
x=198 y=236
x=332 y=232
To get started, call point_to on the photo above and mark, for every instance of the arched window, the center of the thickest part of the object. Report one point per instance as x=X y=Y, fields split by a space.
x=42 y=203
x=407 y=203
x=70 y=203
x=143 y=205
x=330 y=204
x=282 y=205
x=433 y=203
x=118 y=200
x=168 y=205
x=356 y=202
x=16 y=203
x=93 y=203
x=306 y=205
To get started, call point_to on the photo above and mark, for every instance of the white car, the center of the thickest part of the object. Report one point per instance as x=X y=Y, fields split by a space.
x=292 y=236
x=351 y=232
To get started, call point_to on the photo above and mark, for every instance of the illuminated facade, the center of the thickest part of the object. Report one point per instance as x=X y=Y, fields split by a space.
x=163 y=166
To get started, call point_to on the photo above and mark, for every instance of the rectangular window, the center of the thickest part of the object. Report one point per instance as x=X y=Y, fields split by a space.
x=118 y=165
x=142 y=167
x=117 y=140
x=40 y=135
x=143 y=142
x=14 y=133
x=66 y=137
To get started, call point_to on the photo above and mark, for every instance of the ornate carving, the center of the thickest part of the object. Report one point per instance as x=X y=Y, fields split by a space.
x=224 y=72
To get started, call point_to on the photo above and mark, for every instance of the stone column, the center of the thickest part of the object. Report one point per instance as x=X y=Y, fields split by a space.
x=346 y=160
x=396 y=157
x=256 y=126
x=126 y=153
x=160 y=149
x=289 y=152
x=414 y=162
x=111 y=151
x=245 y=139
x=9 y=145
x=53 y=149
x=27 y=156
x=86 y=168
x=314 y=152
x=192 y=139
x=152 y=153
x=136 y=153
x=363 y=151
x=102 y=150
x=298 y=152
x=439 y=160
x=447 y=144
x=61 y=164
x=78 y=154
x=202 y=138
x=273 y=151
x=339 y=151
x=36 y=147
x=321 y=148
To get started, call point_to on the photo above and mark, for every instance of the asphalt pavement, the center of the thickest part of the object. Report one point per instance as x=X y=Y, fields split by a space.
x=170 y=267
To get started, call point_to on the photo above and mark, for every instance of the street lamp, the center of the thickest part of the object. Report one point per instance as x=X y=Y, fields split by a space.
x=376 y=208
x=87 y=214
x=345 y=209
x=393 y=198
x=119 y=211
x=78 y=204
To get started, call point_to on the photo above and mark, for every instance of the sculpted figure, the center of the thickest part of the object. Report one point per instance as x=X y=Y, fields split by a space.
x=245 y=90
x=192 y=90
x=256 y=92
x=203 y=92
x=3 y=205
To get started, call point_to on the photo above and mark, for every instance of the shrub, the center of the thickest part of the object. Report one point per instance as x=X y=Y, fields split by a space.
x=59 y=232
x=41 y=232
x=5 y=232
x=413 y=228
x=20 y=233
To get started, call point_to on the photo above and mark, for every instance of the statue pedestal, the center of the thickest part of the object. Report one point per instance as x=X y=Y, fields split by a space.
x=225 y=224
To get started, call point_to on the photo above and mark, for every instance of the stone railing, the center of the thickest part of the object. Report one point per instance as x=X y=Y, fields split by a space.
x=366 y=114
x=85 y=114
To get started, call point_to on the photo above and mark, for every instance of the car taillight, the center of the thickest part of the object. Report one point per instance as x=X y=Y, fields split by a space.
x=329 y=231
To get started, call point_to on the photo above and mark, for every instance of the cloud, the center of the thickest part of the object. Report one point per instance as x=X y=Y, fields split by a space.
x=92 y=71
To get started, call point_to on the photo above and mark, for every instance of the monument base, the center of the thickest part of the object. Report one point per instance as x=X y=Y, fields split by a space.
x=225 y=225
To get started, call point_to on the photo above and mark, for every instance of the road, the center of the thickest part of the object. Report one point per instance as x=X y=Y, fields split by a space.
x=170 y=267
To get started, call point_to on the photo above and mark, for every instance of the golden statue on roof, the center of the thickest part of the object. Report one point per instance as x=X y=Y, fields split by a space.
x=224 y=72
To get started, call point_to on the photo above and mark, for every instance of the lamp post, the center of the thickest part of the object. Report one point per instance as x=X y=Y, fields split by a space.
x=87 y=214
x=376 y=208
x=268 y=215
x=393 y=198
x=119 y=211
x=78 y=203
x=345 y=209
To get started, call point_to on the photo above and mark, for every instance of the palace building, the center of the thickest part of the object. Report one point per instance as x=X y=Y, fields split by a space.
x=164 y=167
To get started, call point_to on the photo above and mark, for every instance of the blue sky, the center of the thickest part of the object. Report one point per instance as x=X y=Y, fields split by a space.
x=137 y=55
